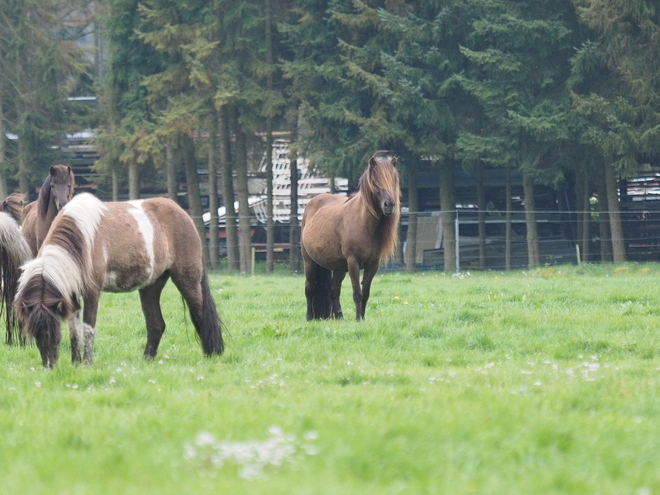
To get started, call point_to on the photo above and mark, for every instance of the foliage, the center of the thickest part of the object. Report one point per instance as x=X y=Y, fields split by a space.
x=614 y=82
x=40 y=66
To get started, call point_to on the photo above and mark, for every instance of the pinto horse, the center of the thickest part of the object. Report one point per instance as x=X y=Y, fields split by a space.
x=56 y=191
x=341 y=235
x=116 y=247
x=14 y=251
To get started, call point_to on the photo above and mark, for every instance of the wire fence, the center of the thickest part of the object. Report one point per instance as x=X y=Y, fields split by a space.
x=481 y=238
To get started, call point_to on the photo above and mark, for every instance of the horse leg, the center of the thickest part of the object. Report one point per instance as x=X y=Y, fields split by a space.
x=75 y=336
x=150 y=301
x=89 y=324
x=335 y=292
x=354 y=273
x=195 y=290
x=367 y=278
x=317 y=290
x=310 y=269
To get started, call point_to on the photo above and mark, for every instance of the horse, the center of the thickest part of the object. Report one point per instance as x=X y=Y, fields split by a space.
x=94 y=246
x=341 y=235
x=14 y=251
x=13 y=206
x=56 y=191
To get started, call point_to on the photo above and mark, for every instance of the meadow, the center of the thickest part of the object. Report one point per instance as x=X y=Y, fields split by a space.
x=543 y=381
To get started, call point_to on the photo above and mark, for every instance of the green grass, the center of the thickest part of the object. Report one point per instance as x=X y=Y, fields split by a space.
x=495 y=383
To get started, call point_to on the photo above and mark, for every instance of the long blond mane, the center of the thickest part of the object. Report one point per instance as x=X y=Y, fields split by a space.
x=382 y=175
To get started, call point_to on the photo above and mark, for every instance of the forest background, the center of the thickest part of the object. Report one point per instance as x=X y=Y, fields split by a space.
x=560 y=90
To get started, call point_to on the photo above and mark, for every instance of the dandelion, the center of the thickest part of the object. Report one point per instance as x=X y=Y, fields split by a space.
x=254 y=458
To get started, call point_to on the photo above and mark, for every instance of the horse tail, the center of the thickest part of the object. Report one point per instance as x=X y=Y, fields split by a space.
x=320 y=293
x=14 y=251
x=209 y=327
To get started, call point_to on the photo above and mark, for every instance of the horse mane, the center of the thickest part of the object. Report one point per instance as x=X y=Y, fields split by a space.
x=382 y=175
x=14 y=251
x=64 y=263
x=13 y=206
x=44 y=196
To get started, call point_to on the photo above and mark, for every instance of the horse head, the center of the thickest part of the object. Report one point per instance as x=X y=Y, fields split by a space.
x=41 y=307
x=13 y=206
x=57 y=189
x=384 y=184
x=44 y=325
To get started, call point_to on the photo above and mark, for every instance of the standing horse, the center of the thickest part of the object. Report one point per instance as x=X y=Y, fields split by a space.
x=56 y=191
x=116 y=247
x=342 y=235
x=14 y=251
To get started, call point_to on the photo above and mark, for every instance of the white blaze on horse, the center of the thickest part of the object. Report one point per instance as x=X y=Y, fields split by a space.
x=116 y=247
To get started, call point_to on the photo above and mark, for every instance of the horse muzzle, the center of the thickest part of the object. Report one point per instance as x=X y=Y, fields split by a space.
x=388 y=208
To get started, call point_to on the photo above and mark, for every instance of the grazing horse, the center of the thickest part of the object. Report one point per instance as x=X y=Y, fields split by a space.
x=116 y=247
x=56 y=191
x=14 y=251
x=342 y=235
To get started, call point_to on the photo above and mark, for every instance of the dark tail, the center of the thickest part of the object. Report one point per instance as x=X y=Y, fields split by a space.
x=209 y=328
x=321 y=299
x=14 y=251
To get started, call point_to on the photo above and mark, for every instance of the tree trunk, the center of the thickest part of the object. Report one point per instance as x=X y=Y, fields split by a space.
x=585 y=215
x=270 y=223
x=604 y=221
x=115 y=184
x=171 y=172
x=133 y=180
x=192 y=182
x=413 y=209
x=213 y=188
x=294 y=226
x=616 y=227
x=244 y=238
x=448 y=211
x=23 y=180
x=231 y=234
x=533 y=257
x=508 y=234
x=4 y=189
x=481 y=213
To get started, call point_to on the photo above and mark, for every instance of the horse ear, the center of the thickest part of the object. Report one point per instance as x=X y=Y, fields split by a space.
x=52 y=170
x=394 y=161
x=372 y=161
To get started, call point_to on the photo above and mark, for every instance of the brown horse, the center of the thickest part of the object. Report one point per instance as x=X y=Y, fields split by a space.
x=14 y=251
x=56 y=191
x=13 y=206
x=117 y=247
x=342 y=235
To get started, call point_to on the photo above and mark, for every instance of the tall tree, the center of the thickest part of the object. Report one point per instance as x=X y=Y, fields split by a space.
x=127 y=134
x=517 y=66
x=40 y=65
x=616 y=89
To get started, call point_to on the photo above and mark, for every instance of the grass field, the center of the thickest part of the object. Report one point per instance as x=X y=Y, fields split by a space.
x=492 y=383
